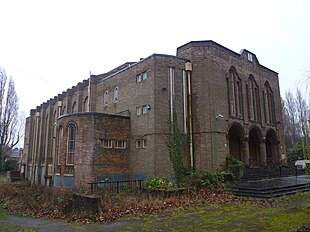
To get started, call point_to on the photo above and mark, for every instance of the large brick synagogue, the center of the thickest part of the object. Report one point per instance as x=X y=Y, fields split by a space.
x=115 y=125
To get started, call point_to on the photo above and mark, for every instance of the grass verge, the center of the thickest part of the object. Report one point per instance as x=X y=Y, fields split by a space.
x=284 y=214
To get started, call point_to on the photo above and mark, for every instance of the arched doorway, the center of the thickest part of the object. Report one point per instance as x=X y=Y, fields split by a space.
x=255 y=138
x=271 y=148
x=235 y=135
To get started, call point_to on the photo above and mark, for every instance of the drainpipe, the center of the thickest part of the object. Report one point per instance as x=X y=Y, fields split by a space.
x=89 y=93
x=33 y=177
x=188 y=69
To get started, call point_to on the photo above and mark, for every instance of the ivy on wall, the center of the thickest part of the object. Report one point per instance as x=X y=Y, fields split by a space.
x=175 y=144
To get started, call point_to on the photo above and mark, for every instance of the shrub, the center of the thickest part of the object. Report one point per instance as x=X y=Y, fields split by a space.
x=156 y=183
x=204 y=179
x=234 y=166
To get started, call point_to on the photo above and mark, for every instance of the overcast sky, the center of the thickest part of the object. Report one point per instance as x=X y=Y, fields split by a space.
x=49 y=46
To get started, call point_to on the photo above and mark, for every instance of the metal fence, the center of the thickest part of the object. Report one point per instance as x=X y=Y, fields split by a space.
x=127 y=186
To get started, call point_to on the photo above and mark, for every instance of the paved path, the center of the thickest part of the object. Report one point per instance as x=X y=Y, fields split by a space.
x=15 y=223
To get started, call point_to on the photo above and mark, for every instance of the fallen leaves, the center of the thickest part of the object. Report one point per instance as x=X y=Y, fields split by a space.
x=50 y=203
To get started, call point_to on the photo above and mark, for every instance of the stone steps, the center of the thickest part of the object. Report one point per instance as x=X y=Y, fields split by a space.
x=265 y=189
x=269 y=193
x=258 y=173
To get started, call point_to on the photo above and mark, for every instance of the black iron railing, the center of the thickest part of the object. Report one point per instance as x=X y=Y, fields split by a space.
x=127 y=186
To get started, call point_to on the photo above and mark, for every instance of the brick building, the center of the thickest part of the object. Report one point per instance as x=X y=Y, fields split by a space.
x=115 y=125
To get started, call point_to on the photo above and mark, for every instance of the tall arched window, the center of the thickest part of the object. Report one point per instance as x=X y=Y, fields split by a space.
x=47 y=129
x=85 y=105
x=106 y=98
x=269 y=107
x=116 y=94
x=234 y=86
x=54 y=136
x=74 y=108
x=253 y=100
x=63 y=110
x=71 y=144
x=60 y=144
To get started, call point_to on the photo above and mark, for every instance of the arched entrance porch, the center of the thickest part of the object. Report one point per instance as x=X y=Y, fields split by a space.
x=272 y=151
x=255 y=148
x=236 y=135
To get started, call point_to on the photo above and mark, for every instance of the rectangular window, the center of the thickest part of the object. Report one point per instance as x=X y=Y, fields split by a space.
x=144 y=143
x=141 y=143
x=71 y=144
x=138 y=78
x=144 y=75
x=144 y=109
x=116 y=93
x=138 y=143
x=139 y=110
x=250 y=57
x=107 y=143
x=120 y=144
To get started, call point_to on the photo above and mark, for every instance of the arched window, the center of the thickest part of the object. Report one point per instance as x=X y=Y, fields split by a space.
x=234 y=86
x=86 y=105
x=106 y=98
x=60 y=143
x=253 y=101
x=116 y=94
x=71 y=144
x=74 y=108
x=54 y=135
x=269 y=107
x=63 y=110
x=47 y=131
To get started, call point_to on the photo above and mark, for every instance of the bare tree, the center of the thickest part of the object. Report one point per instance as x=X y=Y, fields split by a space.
x=301 y=111
x=290 y=107
x=286 y=124
x=302 y=115
x=10 y=123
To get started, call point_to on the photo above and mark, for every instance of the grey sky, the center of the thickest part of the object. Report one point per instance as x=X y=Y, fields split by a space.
x=49 y=46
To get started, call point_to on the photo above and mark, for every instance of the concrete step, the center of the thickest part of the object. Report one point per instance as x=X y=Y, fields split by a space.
x=269 y=188
x=270 y=194
x=258 y=173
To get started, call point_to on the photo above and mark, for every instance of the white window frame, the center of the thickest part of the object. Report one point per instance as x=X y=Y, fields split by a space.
x=141 y=143
x=120 y=144
x=144 y=109
x=138 y=143
x=250 y=57
x=71 y=141
x=144 y=76
x=107 y=143
x=138 y=78
x=144 y=143
x=139 y=110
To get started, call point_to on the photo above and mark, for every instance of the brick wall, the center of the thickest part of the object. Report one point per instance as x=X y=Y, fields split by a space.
x=91 y=159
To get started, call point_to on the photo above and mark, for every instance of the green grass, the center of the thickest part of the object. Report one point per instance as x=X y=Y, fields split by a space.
x=2 y=179
x=286 y=214
x=2 y=214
